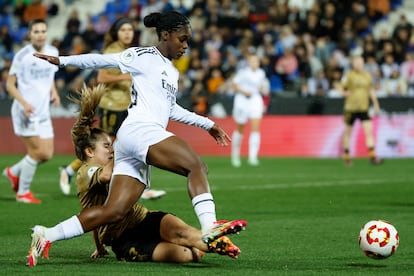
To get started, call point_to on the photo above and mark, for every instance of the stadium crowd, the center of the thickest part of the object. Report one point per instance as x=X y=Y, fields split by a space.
x=304 y=46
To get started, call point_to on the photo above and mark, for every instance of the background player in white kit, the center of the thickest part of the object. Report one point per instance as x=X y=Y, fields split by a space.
x=249 y=84
x=31 y=84
x=142 y=140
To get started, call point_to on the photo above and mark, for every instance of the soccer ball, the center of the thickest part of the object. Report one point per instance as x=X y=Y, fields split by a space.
x=378 y=239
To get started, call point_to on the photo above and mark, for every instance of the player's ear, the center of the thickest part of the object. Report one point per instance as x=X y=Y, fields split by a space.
x=89 y=152
x=165 y=36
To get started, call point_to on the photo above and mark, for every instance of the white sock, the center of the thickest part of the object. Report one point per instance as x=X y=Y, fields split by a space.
x=254 y=144
x=16 y=168
x=205 y=210
x=65 y=230
x=235 y=144
x=27 y=170
x=70 y=170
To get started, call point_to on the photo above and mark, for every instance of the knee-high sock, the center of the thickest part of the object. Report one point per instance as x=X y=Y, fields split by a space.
x=254 y=145
x=73 y=167
x=17 y=168
x=235 y=144
x=67 y=229
x=27 y=171
x=205 y=210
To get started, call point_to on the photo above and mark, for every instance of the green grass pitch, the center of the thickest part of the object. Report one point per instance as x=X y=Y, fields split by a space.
x=304 y=217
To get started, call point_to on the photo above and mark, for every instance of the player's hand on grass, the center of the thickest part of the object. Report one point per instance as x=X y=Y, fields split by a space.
x=100 y=253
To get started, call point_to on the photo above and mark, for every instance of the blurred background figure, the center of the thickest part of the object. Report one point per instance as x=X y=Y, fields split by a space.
x=249 y=84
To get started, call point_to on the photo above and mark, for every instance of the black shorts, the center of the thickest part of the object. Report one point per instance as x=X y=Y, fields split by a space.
x=138 y=244
x=351 y=117
x=111 y=121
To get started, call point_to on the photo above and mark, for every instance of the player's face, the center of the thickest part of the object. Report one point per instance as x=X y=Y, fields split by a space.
x=126 y=34
x=38 y=35
x=103 y=152
x=254 y=62
x=178 y=42
x=358 y=63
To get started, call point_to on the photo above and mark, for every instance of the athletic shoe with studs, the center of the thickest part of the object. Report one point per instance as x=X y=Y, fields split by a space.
x=28 y=198
x=224 y=246
x=222 y=228
x=64 y=180
x=39 y=247
x=14 y=180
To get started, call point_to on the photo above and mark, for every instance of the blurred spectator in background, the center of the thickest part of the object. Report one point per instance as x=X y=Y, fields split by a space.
x=287 y=66
x=402 y=23
x=72 y=29
x=407 y=72
x=134 y=9
x=102 y=26
x=199 y=98
x=395 y=85
x=91 y=37
x=372 y=66
x=377 y=9
x=388 y=66
x=4 y=73
x=35 y=10
x=6 y=41
x=315 y=31
x=316 y=86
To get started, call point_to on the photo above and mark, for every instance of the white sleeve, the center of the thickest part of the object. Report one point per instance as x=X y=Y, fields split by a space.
x=91 y=61
x=182 y=115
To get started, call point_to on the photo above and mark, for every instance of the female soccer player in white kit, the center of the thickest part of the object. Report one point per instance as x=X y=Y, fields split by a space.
x=142 y=140
x=249 y=84
x=31 y=84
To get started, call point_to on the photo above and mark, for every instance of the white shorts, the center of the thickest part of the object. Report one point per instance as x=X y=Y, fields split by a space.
x=33 y=126
x=245 y=108
x=131 y=148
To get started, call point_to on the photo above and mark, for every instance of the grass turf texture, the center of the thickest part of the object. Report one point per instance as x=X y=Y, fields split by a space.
x=304 y=217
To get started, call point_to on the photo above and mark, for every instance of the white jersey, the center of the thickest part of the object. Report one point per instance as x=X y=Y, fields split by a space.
x=34 y=78
x=153 y=103
x=251 y=81
x=154 y=85
x=245 y=107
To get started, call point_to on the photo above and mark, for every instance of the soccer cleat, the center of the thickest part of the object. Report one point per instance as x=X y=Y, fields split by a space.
x=224 y=246
x=348 y=162
x=39 y=247
x=27 y=198
x=221 y=228
x=254 y=162
x=153 y=194
x=14 y=180
x=235 y=162
x=376 y=161
x=64 y=181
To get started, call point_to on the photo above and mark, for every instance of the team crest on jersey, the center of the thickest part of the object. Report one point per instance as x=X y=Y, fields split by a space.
x=91 y=171
x=127 y=56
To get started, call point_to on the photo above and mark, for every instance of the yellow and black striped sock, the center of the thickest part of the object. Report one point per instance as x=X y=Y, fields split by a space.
x=347 y=156
x=371 y=151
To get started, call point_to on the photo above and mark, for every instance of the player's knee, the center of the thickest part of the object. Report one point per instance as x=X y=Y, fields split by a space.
x=198 y=165
x=43 y=156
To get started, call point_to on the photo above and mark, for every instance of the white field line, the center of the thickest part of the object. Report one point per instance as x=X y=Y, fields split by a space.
x=275 y=186
x=161 y=182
